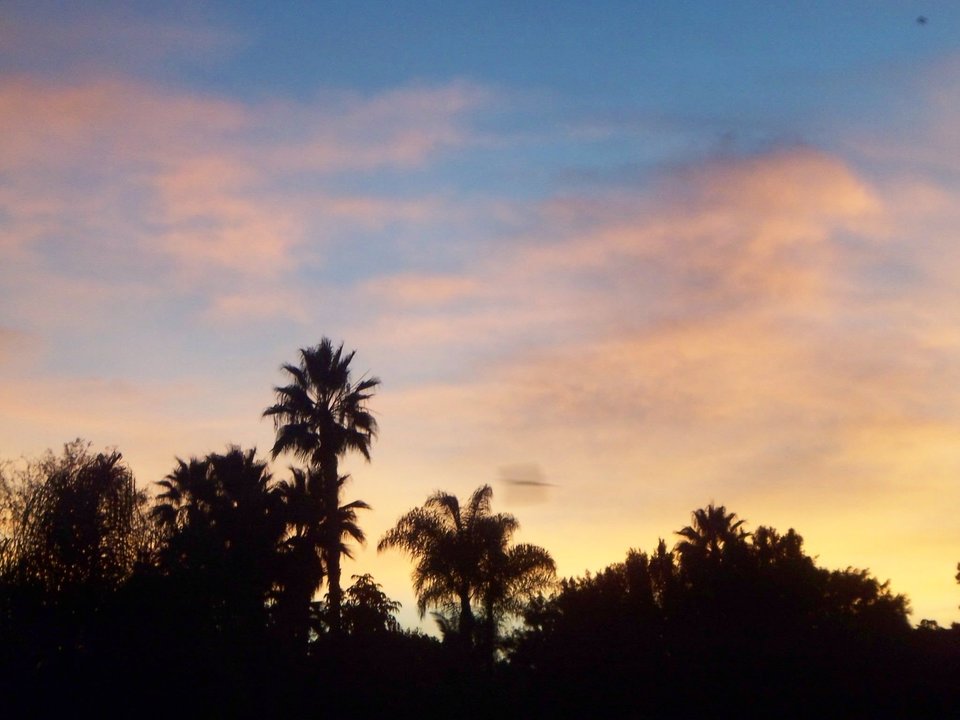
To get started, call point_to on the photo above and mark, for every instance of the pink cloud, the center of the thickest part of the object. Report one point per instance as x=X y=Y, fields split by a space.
x=767 y=332
x=192 y=186
x=763 y=227
x=110 y=121
x=211 y=216
x=761 y=235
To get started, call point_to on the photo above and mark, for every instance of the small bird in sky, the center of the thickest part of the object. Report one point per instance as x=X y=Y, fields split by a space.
x=922 y=20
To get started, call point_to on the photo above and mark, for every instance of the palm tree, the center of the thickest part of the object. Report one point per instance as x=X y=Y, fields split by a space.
x=223 y=527
x=320 y=416
x=714 y=558
x=464 y=557
x=713 y=533
x=302 y=570
x=512 y=576
x=306 y=550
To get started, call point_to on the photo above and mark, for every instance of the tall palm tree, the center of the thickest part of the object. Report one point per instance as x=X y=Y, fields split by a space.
x=464 y=557
x=320 y=416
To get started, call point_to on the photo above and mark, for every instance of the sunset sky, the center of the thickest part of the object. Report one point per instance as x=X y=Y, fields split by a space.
x=655 y=254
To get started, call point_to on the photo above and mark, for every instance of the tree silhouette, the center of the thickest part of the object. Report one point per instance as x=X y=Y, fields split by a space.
x=73 y=530
x=510 y=578
x=74 y=522
x=310 y=521
x=725 y=619
x=367 y=609
x=303 y=566
x=224 y=527
x=713 y=533
x=321 y=415
x=464 y=557
x=712 y=558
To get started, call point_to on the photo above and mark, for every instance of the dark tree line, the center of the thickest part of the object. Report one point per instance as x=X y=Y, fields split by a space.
x=726 y=619
x=206 y=600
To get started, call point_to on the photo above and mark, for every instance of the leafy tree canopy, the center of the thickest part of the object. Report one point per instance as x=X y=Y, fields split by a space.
x=72 y=520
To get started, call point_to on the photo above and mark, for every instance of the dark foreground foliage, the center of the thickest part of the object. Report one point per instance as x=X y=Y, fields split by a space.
x=200 y=605
x=727 y=623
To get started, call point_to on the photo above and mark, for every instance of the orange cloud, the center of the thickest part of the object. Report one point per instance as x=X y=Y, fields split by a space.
x=212 y=217
x=762 y=235
x=764 y=227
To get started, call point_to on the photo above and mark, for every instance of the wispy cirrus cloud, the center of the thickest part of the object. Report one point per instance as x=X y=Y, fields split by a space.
x=770 y=233
x=197 y=185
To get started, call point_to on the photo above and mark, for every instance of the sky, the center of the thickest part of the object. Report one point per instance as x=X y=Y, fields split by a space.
x=653 y=254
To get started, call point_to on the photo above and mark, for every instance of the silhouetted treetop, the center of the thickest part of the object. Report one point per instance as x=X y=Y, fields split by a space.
x=465 y=564
x=74 y=520
x=713 y=533
x=224 y=529
x=367 y=609
x=323 y=413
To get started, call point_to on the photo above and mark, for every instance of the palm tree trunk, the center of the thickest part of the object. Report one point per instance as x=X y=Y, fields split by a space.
x=334 y=593
x=489 y=634
x=465 y=627
x=331 y=492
